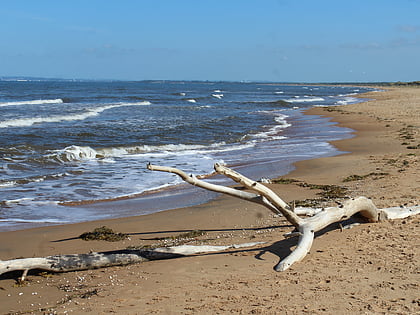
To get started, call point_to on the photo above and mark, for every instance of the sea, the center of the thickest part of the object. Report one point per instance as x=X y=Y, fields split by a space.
x=74 y=150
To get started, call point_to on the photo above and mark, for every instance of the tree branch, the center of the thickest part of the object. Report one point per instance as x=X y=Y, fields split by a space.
x=306 y=228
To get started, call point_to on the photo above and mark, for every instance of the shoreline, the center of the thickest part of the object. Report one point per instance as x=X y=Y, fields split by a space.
x=307 y=137
x=202 y=281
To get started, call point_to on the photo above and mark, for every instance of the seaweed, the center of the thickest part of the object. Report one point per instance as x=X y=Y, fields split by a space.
x=182 y=236
x=103 y=233
x=285 y=181
x=190 y=234
x=308 y=203
x=356 y=177
x=328 y=191
x=413 y=147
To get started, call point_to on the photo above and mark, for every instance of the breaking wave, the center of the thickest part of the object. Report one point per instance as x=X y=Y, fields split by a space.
x=26 y=122
x=34 y=179
x=33 y=102
x=84 y=153
x=305 y=99
x=273 y=132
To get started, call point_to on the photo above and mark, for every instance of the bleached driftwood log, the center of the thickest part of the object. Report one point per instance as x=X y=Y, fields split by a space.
x=74 y=262
x=305 y=227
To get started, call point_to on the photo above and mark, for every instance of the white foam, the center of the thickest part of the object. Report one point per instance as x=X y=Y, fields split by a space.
x=282 y=122
x=26 y=122
x=219 y=96
x=177 y=149
x=34 y=179
x=192 y=100
x=6 y=184
x=76 y=153
x=273 y=132
x=33 y=102
x=16 y=201
x=17 y=220
x=170 y=148
x=305 y=99
x=347 y=100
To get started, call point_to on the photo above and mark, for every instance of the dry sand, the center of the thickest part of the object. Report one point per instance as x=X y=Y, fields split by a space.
x=370 y=269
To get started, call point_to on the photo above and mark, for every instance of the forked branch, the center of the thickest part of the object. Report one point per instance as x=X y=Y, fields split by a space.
x=306 y=228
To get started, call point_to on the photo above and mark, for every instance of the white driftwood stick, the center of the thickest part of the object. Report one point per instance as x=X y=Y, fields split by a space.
x=309 y=212
x=198 y=249
x=401 y=212
x=216 y=188
x=264 y=192
x=306 y=228
x=322 y=219
x=74 y=262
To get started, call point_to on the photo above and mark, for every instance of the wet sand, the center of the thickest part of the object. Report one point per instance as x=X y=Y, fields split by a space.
x=371 y=268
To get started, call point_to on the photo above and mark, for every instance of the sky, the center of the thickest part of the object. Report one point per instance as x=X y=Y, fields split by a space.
x=234 y=40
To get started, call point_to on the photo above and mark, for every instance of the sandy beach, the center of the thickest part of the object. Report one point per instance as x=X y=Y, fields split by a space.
x=370 y=269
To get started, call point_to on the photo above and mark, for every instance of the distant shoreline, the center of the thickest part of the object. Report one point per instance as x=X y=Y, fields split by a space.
x=385 y=83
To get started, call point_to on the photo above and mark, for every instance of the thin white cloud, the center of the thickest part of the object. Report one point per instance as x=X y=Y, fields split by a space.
x=362 y=46
x=405 y=42
x=408 y=28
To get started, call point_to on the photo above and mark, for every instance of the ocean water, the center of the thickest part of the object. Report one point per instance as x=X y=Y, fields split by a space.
x=73 y=151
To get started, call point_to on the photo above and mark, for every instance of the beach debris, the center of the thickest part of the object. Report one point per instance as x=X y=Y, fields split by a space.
x=356 y=177
x=187 y=235
x=103 y=233
x=305 y=228
x=285 y=181
x=198 y=249
x=94 y=260
x=265 y=180
x=327 y=191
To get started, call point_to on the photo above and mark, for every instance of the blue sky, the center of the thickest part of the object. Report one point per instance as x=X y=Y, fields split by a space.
x=283 y=40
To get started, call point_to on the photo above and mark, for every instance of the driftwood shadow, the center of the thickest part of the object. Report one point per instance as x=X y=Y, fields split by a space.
x=185 y=231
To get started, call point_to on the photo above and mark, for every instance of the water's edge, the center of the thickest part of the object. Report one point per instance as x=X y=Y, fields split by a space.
x=184 y=195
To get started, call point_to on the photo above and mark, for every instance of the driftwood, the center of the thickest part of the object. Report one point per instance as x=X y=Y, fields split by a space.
x=305 y=228
x=74 y=262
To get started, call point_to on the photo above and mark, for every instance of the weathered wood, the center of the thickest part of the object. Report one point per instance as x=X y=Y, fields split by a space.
x=65 y=263
x=191 y=179
x=305 y=227
x=74 y=262
x=264 y=192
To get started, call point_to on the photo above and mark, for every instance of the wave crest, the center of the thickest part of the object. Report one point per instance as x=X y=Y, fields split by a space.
x=26 y=122
x=305 y=99
x=33 y=102
x=75 y=153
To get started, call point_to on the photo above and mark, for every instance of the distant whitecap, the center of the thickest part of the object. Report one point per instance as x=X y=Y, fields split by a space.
x=26 y=122
x=32 y=102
